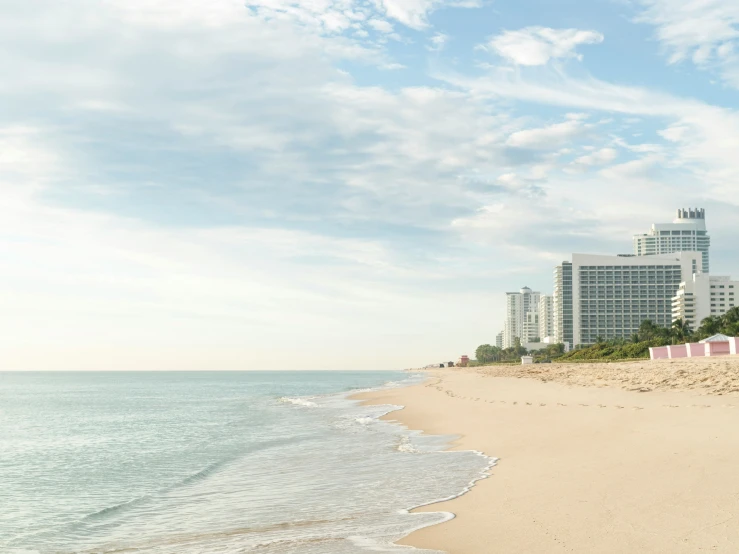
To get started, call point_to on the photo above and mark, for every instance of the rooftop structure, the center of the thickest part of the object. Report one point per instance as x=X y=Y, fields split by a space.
x=686 y=233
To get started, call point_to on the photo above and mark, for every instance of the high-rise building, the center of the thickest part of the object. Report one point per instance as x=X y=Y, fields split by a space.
x=562 y=304
x=687 y=233
x=702 y=296
x=546 y=317
x=518 y=304
x=531 y=328
x=499 y=340
x=610 y=296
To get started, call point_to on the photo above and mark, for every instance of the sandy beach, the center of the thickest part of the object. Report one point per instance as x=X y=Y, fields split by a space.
x=594 y=458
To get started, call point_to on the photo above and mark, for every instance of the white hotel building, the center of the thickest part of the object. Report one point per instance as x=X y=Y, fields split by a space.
x=703 y=296
x=687 y=233
x=610 y=296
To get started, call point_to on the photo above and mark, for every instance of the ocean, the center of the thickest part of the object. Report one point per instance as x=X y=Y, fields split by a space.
x=201 y=462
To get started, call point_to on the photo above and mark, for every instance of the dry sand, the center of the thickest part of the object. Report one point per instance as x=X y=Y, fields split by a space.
x=587 y=465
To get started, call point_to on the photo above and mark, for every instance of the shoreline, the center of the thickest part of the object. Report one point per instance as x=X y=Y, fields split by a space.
x=585 y=465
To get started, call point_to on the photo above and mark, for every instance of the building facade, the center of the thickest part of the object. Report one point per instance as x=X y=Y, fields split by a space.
x=610 y=296
x=518 y=304
x=687 y=233
x=531 y=327
x=702 y=296
x=546 y=317
x=562 y=304
x=499 y=340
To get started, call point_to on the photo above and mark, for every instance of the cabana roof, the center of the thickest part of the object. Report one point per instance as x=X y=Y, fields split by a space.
x=717 y=338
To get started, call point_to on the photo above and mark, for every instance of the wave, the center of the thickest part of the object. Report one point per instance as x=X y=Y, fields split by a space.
x=299 y=402
x=195 y=477
x=406 y=446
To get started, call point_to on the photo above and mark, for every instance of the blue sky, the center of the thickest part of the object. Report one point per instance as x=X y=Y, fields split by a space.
x=339 y=183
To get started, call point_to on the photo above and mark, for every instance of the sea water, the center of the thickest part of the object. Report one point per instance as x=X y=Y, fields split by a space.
x=266 y=462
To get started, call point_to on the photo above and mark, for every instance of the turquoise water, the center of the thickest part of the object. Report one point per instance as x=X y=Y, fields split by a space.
x=268 y=462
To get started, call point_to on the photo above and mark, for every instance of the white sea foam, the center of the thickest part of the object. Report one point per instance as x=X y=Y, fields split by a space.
x=299 y=402
x=365 y=420
x=406 y=446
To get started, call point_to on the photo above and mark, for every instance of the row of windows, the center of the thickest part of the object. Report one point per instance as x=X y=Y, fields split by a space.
x=658 y=278
x=627 y=267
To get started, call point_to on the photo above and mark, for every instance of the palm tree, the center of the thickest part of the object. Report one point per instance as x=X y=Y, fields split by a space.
x=679 y=331
x=730 y=317
x=710 y=326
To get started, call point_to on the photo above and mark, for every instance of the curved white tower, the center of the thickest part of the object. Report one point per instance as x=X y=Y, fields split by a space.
x=687 y=233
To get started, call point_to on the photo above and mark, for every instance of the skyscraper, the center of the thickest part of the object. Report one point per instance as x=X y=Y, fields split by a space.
x=546 y=317
x=562 y=304
x=687 y=233
x=518 y=304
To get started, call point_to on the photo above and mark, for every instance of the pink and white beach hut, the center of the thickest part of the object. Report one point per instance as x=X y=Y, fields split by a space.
x=717 y=345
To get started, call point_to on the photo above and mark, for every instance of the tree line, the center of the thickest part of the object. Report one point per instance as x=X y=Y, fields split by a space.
x=637 y=346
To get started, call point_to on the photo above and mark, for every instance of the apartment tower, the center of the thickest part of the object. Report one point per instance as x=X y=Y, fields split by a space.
x=518 y=304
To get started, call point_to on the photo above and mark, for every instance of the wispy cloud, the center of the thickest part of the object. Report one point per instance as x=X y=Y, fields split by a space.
x=538 y=45
x=706 y=33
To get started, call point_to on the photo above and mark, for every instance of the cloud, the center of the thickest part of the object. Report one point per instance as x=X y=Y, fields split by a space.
x=381 y=25
x=533 y=46
x=438 y=42
x=674 y=133
x=601 y=157
x=550 y=137
x=640 y=168
x=414 y=13
x=704 y=32
x=697 y=30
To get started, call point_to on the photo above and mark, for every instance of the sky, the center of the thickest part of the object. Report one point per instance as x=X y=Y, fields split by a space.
x=339 y=184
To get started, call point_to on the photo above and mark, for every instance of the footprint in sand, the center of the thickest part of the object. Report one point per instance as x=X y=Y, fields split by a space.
x=542 y=404
x=602 y=406
x=529 y=404
x=620 y=407
x=638 y=408
x=559 y=404
x=585 y=405
x=515 y=403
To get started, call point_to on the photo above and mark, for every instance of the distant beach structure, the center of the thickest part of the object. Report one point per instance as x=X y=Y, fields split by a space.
x=717 y=345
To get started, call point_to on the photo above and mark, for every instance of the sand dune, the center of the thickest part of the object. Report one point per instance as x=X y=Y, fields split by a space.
x=586 y=464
